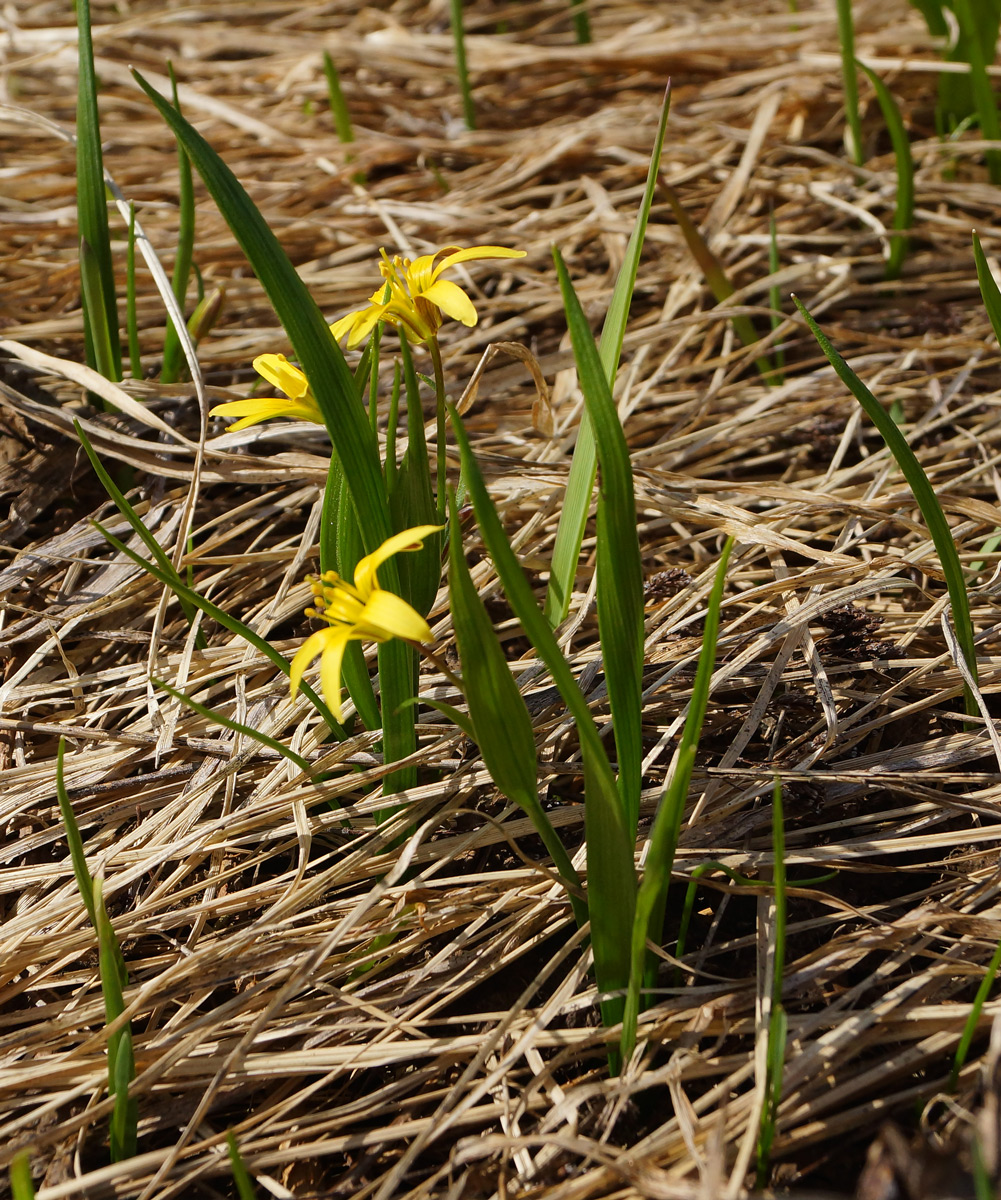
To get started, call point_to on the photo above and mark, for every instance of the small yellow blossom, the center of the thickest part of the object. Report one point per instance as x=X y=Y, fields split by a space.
x=359 y=611
x=280 y=373
x=419 y=299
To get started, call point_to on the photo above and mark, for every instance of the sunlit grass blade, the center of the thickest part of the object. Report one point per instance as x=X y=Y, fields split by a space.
x=21 y=1185
x=99 y=337
x=611 y=880
x=317 y=353
x=775 y=1058
x=651 y=899
x=846 y=38
x=114 y=978
x=131 y=321
x=581 y=24
x=241 y=1176
x=502 y=727
x=121 y=1057
x=92 y=209
x=980 y=47
x=583 y=467
x=973 y=1020
x=903 y=215
x=719 y=284
x=924 y=494
x=461 y=67
x=137 y=523
x=223 y=618
x=173 y=355
x=988 y=287
x=619 y=564
x=248 y=731
x=77 y=857
x=338 y=105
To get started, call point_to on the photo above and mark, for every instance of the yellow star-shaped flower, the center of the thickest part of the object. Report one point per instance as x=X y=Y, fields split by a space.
x=298 y=400
x=359 y=611
x=419 y=299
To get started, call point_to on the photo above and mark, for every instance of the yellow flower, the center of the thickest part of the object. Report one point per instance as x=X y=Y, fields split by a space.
x=360 y=611
x=280 y=373
x=419 y=298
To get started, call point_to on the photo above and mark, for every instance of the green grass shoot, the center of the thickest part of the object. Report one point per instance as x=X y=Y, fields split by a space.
x=338 y=105
x=461 y=67
x=977 y=19
x=846 y=38
x=241 y=1176
x=924 y=494
x=777 y=1030
x=581 y=22
x=973 y=1020
x=651 y=900
x=903 y=214
x=174 y=366
x=584 y=465
x=100 y=307
x=114 y=977
x=21 y=1185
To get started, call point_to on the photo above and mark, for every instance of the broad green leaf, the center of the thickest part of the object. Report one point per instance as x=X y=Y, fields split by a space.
x=98 y=335
x=924 y=494
x=501 y=724
x=21 y=1185
x=988 y=287
x=978 y=24
x=584 y=465
x=92 y=206
x=619 y=564
x=903 y=215
x=319 y=356
x=610 y=867
x=652 y=895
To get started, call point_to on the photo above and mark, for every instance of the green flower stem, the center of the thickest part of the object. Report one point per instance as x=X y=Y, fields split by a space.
x=439 y=392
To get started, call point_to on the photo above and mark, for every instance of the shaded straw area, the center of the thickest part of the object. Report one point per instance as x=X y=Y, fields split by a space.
x=405 y=1010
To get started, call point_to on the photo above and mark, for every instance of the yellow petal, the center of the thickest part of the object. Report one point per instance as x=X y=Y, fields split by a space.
x=452 y=301
x=330 y=667
x=387 y=616
x=310 y=648
x=409 y=539
x=263 y=409
x=344 y=325
x=282 y=374
x=454 y=255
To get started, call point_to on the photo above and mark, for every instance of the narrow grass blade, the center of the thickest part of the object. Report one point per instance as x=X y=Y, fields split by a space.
x=973 y=1020
x=611 y=874
x=581 y=24
x=846 y=37
x=988 y=287
x=652 y=896
x=21 y=1185
x=619 y=564
x=92 y=205
x=317 y=353
x=924 y=494
x=903 y=215
x=98 y=334
x=174 y=365
x=121 y=1058
x=583 y=467
x=716 y=278
x=462 y=69
x=980 y=52
x=248 y=731
x=241 y=1176
x=231 y=623
x=501 y=724
x=131 y=320
x=80 y=870
x=338 y=105
x=777 y=1019
x=133 y=518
